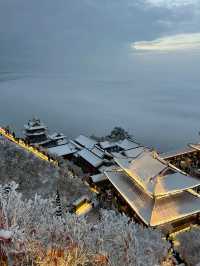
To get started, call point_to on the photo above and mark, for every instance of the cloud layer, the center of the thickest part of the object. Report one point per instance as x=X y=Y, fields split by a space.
x=172 y=3
x=170 y=43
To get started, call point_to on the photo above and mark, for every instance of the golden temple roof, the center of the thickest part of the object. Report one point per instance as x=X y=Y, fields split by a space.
x=154 y=211
x=156 y=177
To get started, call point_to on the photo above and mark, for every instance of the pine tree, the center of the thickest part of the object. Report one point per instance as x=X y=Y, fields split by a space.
x=58 y=205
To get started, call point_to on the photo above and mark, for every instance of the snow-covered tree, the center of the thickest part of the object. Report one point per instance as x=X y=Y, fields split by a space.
x=116 y=134
x=31 y=232
x=125 y=243
x=189 y=246
x=38 y=235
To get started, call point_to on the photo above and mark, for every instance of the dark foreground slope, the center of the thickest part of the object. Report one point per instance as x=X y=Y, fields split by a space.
x=35 y=175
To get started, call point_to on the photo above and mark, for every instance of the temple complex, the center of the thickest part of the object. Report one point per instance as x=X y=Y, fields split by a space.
x=158 y=190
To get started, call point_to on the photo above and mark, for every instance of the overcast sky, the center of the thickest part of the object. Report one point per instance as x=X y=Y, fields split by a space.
x=144 y=56
x=79 y=36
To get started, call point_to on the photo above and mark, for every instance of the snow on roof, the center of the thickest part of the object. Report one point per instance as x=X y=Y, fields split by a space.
x=61 y=141
x=34 y=127
x=105 y=168
x=75 y=144
x=167 y=209
x=143 y=169
x=141 y=202
x=118 y=155
x=174 y=183
x=90 y=157
x=34 y=133
x=86 y=142
x=107 y=144
x=127 y=144
x=98 y=178
x=35 y=123
x=150 y=174
x=40 y=142
x=98 y=151
x=63 y=150
x=133 y=153
x=154 y=211
x=56 y=136
x=170 y=154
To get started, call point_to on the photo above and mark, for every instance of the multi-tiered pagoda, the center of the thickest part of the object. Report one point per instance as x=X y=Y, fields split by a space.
x=159 y=194
x=36 y=132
